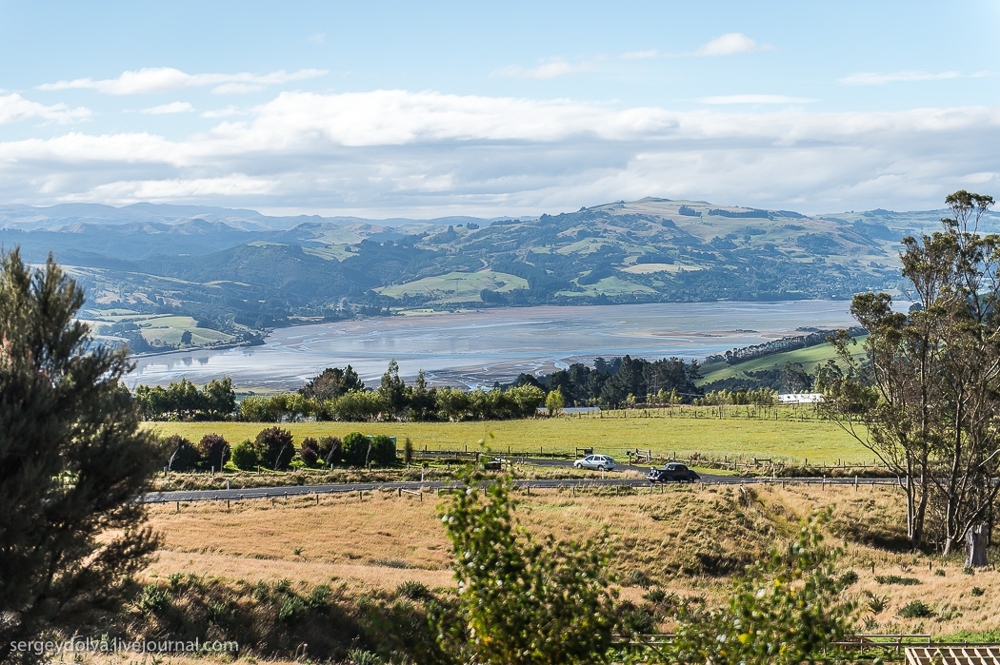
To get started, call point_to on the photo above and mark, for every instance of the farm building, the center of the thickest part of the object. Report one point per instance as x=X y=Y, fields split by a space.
x=800 y=398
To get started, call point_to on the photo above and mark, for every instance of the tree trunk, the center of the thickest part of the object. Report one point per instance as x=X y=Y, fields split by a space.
x=975 y=545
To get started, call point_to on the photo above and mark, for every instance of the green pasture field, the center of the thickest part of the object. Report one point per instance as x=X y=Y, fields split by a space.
x=609 y=286
x=809 y=358
x=457 y=286
x=168 y=329
x=787 y=439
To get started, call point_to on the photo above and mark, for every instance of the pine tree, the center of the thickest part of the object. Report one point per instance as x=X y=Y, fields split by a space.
x=72 y=458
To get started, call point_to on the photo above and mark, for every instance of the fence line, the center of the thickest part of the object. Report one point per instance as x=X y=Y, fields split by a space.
x=618 y=486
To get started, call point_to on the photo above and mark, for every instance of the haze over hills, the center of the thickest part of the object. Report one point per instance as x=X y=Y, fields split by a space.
x=233 y=273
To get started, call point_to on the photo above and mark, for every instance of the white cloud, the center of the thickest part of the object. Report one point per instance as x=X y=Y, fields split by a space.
x=172 y=107
x=226 y=112
x=389 y=152
x=882 y=78
x=640 y=55
x=547 y=70
x=730 y=44
x=14 y=107
x=163 y=79
x=755 y=99
x=173 y=189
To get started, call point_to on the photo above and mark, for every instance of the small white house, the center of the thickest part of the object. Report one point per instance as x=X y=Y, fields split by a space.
x=800 y=398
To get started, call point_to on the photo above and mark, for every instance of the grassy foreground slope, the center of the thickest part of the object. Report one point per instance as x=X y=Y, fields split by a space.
x=793 y=437
x=686 y=541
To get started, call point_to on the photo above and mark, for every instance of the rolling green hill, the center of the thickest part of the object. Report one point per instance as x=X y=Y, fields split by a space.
x=767 y=370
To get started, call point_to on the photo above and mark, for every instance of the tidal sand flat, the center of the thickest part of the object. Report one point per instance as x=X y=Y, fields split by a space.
x=480 y=347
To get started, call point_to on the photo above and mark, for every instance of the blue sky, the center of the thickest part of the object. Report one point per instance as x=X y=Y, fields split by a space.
x=386 y=109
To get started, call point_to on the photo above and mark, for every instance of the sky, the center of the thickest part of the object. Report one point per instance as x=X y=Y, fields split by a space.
x=389 y=109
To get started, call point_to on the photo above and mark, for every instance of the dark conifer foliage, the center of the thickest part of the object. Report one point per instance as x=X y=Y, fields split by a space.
x=72 y=457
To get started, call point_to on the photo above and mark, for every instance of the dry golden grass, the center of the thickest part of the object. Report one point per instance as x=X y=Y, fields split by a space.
x=687 y=540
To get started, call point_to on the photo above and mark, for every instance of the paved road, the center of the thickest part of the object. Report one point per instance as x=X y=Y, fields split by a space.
x=610 y=479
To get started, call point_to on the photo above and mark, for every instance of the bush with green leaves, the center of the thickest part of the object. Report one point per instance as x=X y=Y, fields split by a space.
x=183 y=454
x=916 y=609
x=354 y=449
x=897 y=579
x=383 y=451
x=359 y=450
x=274 y=448
x=522 y=601
x=783 y=611
x=244 y=456
x=877 y=603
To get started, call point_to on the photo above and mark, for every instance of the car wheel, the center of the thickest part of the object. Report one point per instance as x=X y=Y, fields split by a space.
x=601 y=468
x=577 y=465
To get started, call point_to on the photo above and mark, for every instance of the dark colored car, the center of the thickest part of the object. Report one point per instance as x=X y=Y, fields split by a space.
x=672 y=472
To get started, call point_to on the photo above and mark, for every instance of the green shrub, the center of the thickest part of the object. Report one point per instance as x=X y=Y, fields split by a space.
x=414 y=590
x=292 y=609
x=152 y=598
x=916 y=609
x=261 y=592
x=363 y=657
x=656 y=595
x=184 y=456
x=896 y=579
x=319 y=597
x=976 y=591
x=407 y=451
x=217 y=612
x=522 y=602
x=635 y=618
x=383 y=451
x=244 y=456
x=355 y=449
x=877 y=603
x=848 y=578
x=214 y=450
x=939 y=572
x=274 y=448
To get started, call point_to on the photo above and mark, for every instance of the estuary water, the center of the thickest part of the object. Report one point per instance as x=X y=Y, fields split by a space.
x=478 y=348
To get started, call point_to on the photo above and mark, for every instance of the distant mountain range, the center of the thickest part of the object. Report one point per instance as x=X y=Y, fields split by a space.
x=239 y=272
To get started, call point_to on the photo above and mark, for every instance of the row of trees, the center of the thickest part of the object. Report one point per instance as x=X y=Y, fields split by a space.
x=340 y=394
x=622 y=381
x=183 y=400
x=398 y=402
x=273 y=448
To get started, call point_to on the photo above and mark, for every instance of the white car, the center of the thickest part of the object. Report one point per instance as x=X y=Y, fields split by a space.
x=599 y=462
